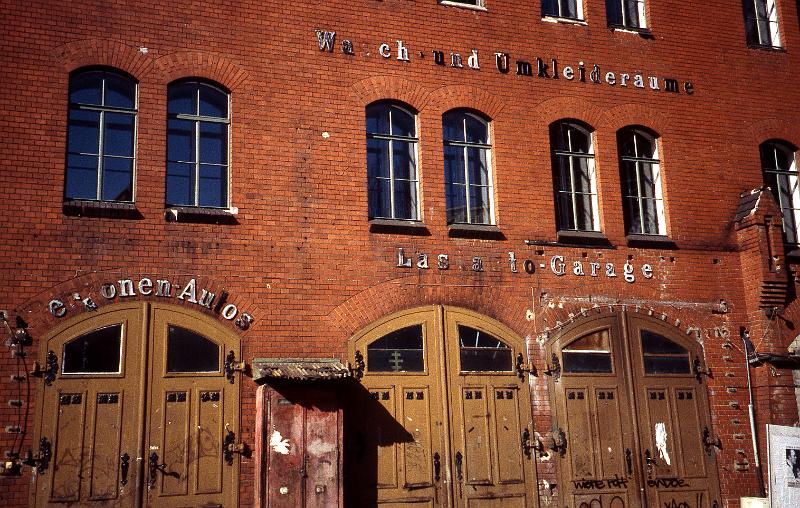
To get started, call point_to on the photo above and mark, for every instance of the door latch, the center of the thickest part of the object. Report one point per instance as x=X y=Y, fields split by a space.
x=231 y=366
x=124 y=464
x=230 y=446
x=649 y=462
x=153 y=467
x=358 y=371
x=629 y=461
x=437 y=467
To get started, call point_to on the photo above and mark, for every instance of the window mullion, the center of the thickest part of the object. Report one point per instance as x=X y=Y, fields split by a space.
x=391 y=179
x=100 y=150
x=572 y=191
x=467 y=182
x=196 y=174
x=640 y=196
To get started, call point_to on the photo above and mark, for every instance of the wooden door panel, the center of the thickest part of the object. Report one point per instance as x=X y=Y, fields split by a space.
x=582 y=449
x=508 y=451
x=476 y=441
x=68 y=455
x=173 y=447
x=380 y=439
x=105 y=436
x=417 y=456
x=517 y=501
x=658 y=433
x=693 y=460
x=611 y=454
x=208 y=441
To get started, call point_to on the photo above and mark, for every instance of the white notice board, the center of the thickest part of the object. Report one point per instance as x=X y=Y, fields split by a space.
x=783 y=445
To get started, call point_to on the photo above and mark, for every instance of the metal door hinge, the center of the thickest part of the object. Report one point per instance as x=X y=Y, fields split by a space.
x=232 y=365
x=559 y=444
x=50 y=370
x=700 y=370
x=523 y=368
x=41 y=460
x=554 y=369
x=709 y=442
x=357 y=371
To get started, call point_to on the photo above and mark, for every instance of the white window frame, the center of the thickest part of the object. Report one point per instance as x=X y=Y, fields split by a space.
x=655 y=165
x=391 y=139
x=476 y=5
x=571 y=157
x=791 y=210
x=487 y=148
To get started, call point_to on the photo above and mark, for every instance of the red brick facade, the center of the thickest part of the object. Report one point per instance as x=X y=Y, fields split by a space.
x=301 y=257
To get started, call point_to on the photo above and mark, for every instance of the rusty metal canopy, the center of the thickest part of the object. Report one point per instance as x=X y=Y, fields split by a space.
x=299 y=369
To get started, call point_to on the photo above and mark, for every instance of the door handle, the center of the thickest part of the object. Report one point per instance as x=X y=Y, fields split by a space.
x=459 y=460
x=124 y=464
x=153 y=466
x=629 y=461
x=437 y=467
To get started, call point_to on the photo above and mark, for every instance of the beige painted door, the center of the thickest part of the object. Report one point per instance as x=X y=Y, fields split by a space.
x=632 y=411
x=442 y=416
x=101 y=432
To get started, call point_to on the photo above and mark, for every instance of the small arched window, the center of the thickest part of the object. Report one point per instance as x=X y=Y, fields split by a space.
x=101 y=133
x=392 y=162
x=780 y=174
x=482 y=352
x=574 y=174
x=641 y=183
x=589 y=354
x=467 y=168
x=198 y=119
x=397 y=351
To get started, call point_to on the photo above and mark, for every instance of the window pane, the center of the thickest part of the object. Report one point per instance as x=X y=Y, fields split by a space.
x=380 y=205
x=614 y=12
x=653 y=343
x=213 y=102
x=120 y=91
x=453 y=164
x=456 y=203
x=405 y=200
x=213 y=186
x=117 y=179
x=579 y=141
x=118 y=135
x=182 y=99
x=666 y=365
x=180 y=189
x=188 y=351
x=99 y=351
x=584 y=212
x=565 y=217
x=81 y=178
x=479 y=205
x=84 y=131
x=86 y=88
x=378 y=158
x=452 y=126
x=478 y=168
x=587 y=362
x=477 y=131
x=404 y=164
x=180 y=140
x=213 y=143
x=402 y=123
x=482 y=352
x=398 y=351
x=378 y=119
x=631 y=13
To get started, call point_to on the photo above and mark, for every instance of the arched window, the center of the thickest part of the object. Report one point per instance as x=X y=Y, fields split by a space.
x=467 y=169
x=641 y=183
x=101 y=133
x=573 y=168
x=198 y=119
x=780 y=174
x=392 y=162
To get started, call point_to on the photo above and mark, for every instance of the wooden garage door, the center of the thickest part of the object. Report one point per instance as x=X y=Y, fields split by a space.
x=632 y=413
x=137 y=410
x=444 y=414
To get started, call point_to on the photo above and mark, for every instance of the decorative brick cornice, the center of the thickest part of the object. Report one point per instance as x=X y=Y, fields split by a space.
x=465 y=96
x=377 y=88
x=86 y=52
x=212 y=66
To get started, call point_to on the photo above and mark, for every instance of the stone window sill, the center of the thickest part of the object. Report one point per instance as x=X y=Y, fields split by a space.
x=108 y=209
x=487 y=231
x=399 y=226
x=201 y=215
x=584 y=238
x=651 y=241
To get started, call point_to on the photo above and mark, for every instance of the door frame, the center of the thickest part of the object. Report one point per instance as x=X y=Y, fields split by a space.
x=145 y=308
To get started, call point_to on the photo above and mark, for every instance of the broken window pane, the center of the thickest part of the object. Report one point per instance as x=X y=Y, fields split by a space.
x=588 y=354
x=481 y=352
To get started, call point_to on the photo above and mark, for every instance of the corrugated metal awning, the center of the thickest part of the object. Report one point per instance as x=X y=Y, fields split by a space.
x=299 y=369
